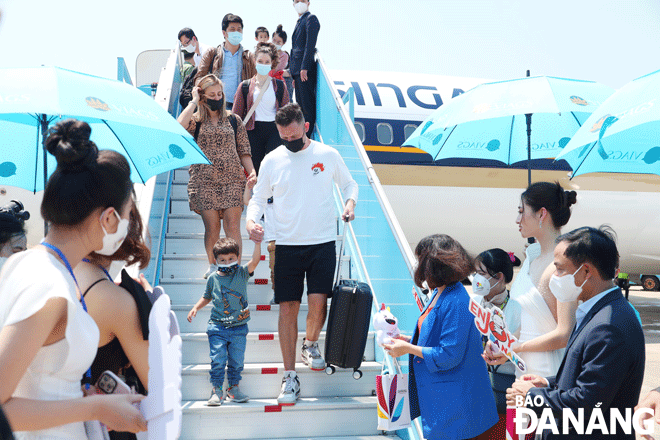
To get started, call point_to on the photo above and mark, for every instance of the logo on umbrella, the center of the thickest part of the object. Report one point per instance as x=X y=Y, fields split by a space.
x=433 y=137
x=599 y=124
x=7 y=169
x=97 y=104
x=579 y=101
x=493 y=145
x=652 y=156
x=177 y=151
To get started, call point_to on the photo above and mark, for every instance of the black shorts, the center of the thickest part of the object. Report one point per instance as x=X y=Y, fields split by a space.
x=293 y=263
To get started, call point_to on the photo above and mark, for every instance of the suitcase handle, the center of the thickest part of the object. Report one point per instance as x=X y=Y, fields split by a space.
x=341 y=254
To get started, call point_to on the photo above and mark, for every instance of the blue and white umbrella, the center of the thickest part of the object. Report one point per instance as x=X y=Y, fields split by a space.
x=489 y=121
x=622 y=135
x=122 y=118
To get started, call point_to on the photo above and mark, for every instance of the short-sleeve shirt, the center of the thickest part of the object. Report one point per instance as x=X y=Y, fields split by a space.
x=229 y=296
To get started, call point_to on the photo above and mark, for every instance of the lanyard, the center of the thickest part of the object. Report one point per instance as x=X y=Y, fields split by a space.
x=88 y=374
x=69 y=268
x=102 y=268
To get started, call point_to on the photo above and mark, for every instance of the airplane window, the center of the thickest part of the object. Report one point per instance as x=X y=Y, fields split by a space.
x=408 y=130
x=359 y=127
x=384 y=133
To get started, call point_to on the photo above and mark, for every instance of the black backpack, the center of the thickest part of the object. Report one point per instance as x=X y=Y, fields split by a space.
x=245 y=88
x=185 y=96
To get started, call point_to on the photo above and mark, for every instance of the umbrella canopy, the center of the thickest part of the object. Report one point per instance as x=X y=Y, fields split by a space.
x=488 y=122
x=122 y=118
x=623 y=135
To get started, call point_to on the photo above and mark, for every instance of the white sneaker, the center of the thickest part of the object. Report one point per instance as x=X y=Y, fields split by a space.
x=215 y=399
x=212 y=268
x=311 y=356
x=290 y=391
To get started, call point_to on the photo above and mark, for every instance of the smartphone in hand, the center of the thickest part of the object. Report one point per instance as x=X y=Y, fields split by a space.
x=110 y=383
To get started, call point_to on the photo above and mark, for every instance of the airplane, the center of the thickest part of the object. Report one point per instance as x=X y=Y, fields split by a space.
x=476 y=201
x=473 y=201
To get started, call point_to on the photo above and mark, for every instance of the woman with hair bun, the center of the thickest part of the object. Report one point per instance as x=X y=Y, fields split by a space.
x=260 y=121
x=545 y=323
x=47 y=340
x=494 y=271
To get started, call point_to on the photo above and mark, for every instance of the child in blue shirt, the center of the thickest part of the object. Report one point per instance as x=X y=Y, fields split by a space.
x=227 y=329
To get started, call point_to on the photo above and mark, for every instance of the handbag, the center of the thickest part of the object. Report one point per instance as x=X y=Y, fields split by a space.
x=393 y=401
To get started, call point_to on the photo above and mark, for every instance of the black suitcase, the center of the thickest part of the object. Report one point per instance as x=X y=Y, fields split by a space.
x=348 y=322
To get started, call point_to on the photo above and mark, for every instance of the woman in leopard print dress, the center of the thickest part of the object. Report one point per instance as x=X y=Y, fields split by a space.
x=216 y=191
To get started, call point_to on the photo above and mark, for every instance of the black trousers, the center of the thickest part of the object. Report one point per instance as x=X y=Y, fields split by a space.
x=306 y=97
x=264 y=138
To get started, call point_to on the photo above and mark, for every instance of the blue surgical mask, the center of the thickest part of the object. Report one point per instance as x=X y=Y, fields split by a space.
x=228 y=269
x=263 y=69
x=235 y=38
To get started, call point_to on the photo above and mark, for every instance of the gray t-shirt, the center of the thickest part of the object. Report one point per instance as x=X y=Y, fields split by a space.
x=229 y=296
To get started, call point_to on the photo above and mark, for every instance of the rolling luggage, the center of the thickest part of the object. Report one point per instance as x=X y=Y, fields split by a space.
x=348 y=322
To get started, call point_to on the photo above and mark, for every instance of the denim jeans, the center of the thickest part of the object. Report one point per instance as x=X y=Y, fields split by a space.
x=227 y=349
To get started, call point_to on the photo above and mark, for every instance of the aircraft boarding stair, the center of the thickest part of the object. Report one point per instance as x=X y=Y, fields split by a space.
x=331 y=406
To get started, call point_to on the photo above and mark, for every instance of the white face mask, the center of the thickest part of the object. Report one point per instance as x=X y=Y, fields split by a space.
x=300 y=7
x=564 y=288
x=112 y=242
x=189 y=48
x=481 y=285
x=263 y=69
x=278 y=46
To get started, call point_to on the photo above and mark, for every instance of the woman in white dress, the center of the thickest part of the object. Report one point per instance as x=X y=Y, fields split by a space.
x=545 y=323
x=47 y=340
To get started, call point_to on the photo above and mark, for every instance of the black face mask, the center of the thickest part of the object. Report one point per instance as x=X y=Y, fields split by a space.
x=214 y=104
x=295 y=145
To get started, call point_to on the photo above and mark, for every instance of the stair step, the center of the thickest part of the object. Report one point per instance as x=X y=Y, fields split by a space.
x=261 y=347
x=190 y=290
x=185 y=221
x=187 y=265
x=263 y=318
x=264 y=418
x=184 y=243
x=263 y=381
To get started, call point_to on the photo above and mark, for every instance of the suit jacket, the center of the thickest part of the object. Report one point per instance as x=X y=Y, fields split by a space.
x=449 y=386
x=216 y=55
x=603 y=363
x=303 y=43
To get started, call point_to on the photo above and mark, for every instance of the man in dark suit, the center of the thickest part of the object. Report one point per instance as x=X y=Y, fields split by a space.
x=603 y=366
x=302 y=66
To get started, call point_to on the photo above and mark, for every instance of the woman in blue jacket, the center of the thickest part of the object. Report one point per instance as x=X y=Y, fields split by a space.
x=449 y=385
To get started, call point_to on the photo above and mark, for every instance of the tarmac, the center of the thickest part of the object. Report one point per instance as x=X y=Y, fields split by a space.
x=648 y=305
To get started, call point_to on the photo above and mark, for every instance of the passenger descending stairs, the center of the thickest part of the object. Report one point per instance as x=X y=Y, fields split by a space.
x=331 y=407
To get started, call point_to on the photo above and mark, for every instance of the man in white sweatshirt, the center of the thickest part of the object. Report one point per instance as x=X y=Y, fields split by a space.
x=299 y=176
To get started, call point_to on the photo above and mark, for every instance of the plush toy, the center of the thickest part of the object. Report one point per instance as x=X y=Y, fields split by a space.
x=386 y=326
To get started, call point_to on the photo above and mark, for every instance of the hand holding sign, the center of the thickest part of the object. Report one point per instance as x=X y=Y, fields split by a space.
x=491 y=323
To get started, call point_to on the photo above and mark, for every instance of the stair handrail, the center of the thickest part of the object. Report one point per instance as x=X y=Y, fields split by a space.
x=363 y=275
x=166 y=96
x=392 y=221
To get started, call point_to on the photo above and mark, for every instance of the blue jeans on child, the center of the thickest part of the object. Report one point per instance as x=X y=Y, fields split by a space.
x=227 y=348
